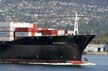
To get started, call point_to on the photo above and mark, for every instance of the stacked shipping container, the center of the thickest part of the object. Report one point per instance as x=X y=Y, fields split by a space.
x=9 y=31
x=6 y=31
x=22 y=32
x=48 y=32
x=26 y=32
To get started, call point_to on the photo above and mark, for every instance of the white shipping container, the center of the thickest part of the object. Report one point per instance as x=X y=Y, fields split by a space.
x=38 y=34
x=15 y=24
x=4 y=24
x=6 y=38
x=70 y=32
x=6 y=34
x=39 y=28
x=25 y=25
x=22 y=34
x=61 y=32
x=19 y=24
x=51 y=29
x=6 y=29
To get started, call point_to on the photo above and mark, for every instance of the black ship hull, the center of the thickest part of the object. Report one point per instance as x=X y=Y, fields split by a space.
x=45 y=49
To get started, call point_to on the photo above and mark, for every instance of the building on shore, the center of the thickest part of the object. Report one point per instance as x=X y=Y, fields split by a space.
x=106 y=48
x=96 y=48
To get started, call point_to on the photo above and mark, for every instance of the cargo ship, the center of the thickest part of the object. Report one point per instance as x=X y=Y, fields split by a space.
x=32 y=45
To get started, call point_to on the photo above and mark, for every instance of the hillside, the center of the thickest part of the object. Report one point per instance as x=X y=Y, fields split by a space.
x=59 y=14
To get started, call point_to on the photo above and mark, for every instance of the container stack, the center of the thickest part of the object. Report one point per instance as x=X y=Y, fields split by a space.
x=6 y=31
x=11 y=31
x=21 y=32
x=19 y=24
x=48 y=32
x=54 y=32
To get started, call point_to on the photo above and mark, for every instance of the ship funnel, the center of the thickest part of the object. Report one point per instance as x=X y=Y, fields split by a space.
x=76 y=32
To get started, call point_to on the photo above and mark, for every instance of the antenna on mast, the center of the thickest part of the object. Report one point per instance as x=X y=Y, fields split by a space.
x=76 y=31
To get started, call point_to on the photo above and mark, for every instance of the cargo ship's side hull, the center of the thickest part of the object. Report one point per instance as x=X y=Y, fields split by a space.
x=48 y=49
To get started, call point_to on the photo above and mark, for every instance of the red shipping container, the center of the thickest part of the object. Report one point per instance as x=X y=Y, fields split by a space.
x=24 y=29
x=53 y=32
x=48 y=32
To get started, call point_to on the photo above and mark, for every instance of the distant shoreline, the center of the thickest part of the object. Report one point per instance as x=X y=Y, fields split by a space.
x=96 y=53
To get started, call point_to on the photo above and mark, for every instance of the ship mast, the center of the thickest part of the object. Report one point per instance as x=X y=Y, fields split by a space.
x=76 y=31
